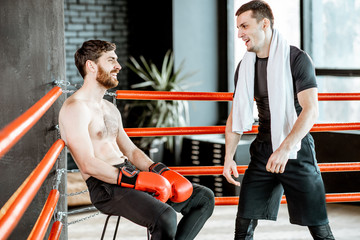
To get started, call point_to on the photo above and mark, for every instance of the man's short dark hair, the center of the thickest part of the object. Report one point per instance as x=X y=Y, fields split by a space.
x=260 y=10
x=91 y=50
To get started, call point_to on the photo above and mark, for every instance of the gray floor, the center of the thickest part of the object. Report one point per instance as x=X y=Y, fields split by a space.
x=344 y=220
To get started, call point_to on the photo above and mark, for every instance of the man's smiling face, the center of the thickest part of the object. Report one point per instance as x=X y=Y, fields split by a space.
x=251 y=31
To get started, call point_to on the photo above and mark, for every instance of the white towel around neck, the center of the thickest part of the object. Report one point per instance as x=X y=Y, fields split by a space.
x=280 y=90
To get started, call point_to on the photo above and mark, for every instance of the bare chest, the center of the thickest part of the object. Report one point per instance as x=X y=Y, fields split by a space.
x=104 y=124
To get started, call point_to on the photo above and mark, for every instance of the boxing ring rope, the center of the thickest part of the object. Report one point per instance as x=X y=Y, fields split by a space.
x=172 y=131
x=324 y=167
x=56 y=230
x=330 y=198
x=47 y=212
x=12 y=133
x=225 y=96
x=214 y=96
x=14 y=208
x=220 y=96
x=217 y=170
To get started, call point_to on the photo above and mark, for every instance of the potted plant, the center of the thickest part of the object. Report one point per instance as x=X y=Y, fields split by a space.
x=160 y=113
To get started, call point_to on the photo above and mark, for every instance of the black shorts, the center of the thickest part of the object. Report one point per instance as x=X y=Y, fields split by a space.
x=301 y=182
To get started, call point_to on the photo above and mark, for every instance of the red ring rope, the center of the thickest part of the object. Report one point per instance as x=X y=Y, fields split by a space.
x=14 y=131
x=217 y=170
x=170 y=131
x=330 y=198
x=214 y=96
x=13 y=210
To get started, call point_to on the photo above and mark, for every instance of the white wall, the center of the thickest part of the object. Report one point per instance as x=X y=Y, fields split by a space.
x=195 y=42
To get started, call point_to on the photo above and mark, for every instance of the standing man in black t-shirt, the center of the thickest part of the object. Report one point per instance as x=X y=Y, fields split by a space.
x=277 y=167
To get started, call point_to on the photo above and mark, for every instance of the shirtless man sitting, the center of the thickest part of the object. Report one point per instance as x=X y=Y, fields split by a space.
x=121 y=179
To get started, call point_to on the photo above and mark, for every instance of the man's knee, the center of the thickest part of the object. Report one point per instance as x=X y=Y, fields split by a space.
x=207 y=201
x=166 y=225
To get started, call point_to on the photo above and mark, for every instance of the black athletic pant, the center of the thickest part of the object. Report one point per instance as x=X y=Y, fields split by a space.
x=160 y=218
x=245 y=230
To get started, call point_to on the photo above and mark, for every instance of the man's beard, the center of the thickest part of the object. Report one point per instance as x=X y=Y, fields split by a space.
x=105 y=78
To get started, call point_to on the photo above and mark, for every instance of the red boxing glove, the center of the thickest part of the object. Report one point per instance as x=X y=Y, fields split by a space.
x=146 y=182
x=181 y=188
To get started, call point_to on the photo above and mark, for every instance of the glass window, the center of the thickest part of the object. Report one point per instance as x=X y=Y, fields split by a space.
x=339 y=111
x=333 y=33
x=332 y=39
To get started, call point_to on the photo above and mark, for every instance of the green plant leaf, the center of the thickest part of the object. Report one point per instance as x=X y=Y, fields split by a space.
x=162 y=113
x=168 y=66
x=140 y=72
x=157 y=76
x=165 y=62
x=148 y=69
x=142 y=85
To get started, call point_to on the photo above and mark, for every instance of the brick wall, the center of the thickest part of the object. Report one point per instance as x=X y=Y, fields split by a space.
x=95 y=19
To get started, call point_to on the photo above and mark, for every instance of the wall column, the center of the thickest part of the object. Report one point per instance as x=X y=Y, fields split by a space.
x=31 y=59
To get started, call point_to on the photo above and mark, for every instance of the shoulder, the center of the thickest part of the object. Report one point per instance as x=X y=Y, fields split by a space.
x=74 y=105
x=74 y=117
x=73 y=109
x=109 y=106
x=295 y=51
x=299 y=57
x=302 y=69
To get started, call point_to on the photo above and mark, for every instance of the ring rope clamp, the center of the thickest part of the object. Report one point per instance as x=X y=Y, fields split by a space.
x=59 y=173
x=60 y=215
x=113 y=95
x=62 y=83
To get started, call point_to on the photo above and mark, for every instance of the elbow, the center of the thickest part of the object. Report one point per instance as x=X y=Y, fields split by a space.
x=314 y=114
x=87 y=168
x=228 y=127
x=311 y=114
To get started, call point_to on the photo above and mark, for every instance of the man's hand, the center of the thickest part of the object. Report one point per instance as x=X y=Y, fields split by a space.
x=308 y=100
x=230 y=168
x=278 y=161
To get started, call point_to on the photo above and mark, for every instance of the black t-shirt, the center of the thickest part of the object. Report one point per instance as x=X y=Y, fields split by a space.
x=303 y=75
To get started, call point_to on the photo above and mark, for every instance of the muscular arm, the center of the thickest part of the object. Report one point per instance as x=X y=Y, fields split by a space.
x=308 y=100
x=135 y=155
x=231 y=141
x=74 y=123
